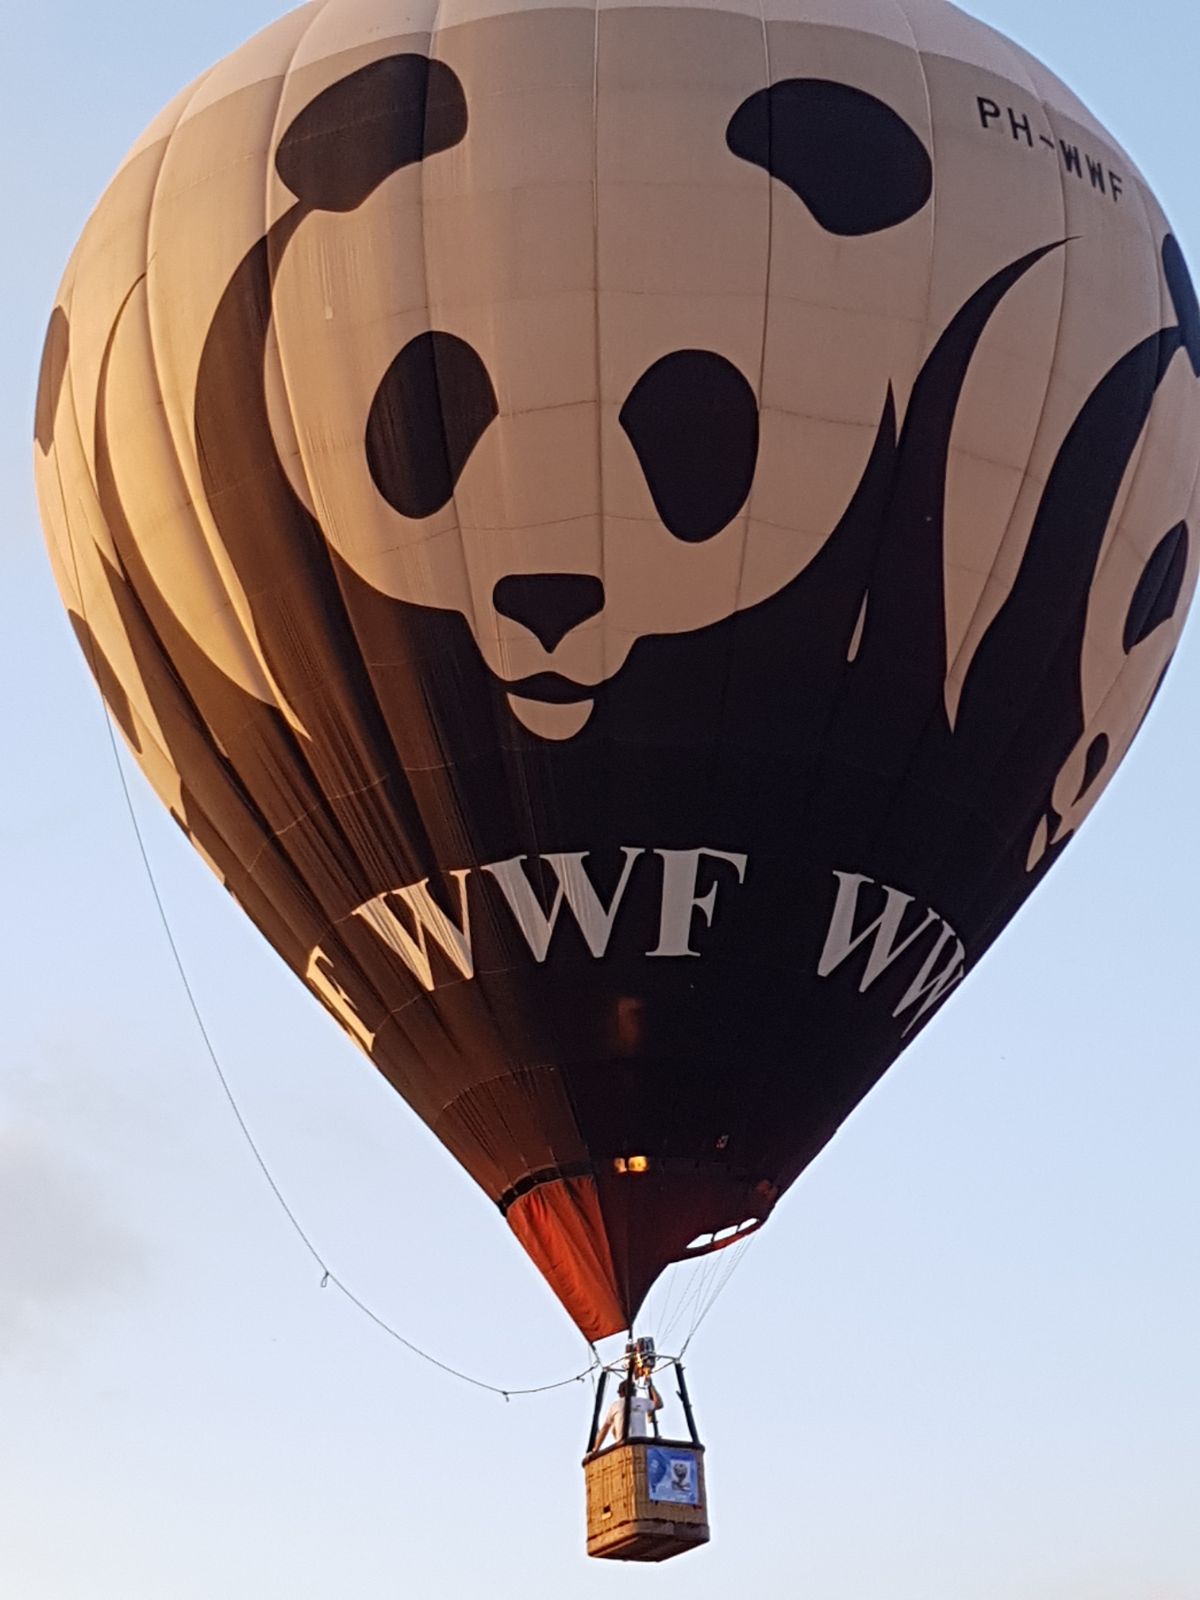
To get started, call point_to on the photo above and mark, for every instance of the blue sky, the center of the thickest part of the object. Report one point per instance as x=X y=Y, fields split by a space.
x=961 y=1363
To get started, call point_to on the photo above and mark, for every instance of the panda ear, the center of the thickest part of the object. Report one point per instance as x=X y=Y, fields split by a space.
x=388 y=115
x=854 y=162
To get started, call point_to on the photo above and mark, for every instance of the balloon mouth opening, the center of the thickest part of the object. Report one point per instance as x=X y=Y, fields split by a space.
x=602 y=1234
x=704 y=1243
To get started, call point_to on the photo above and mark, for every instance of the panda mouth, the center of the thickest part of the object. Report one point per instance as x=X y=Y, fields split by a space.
x=551 y=688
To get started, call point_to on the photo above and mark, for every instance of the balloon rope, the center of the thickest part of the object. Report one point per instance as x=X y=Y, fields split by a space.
x=689 y=1291
x=328 y=1275
x=738 y=1253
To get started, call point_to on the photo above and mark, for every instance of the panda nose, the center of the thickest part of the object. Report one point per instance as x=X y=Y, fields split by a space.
x=549 y=604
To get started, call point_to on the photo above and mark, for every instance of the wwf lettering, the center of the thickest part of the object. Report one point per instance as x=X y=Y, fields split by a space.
x=866 y=915
x=412 y=925
x=944 y=957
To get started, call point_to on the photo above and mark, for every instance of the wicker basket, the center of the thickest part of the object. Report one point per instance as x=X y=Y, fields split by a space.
x=645 y=1500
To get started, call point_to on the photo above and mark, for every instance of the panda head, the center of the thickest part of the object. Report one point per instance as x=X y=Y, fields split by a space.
x=579 y=336
x=585 y=370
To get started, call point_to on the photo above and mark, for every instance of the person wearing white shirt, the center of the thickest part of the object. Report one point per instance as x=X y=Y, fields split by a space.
x=641 y=1408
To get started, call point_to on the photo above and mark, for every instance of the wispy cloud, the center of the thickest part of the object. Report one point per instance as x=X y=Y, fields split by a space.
x=61 y=1248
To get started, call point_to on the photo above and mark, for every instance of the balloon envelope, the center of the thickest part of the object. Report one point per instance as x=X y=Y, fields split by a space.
x=630 y=538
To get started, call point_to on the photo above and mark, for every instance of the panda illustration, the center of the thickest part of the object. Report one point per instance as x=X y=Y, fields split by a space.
x=599 y=556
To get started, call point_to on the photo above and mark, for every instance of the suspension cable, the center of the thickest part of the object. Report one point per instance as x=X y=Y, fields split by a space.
x=328 y=1276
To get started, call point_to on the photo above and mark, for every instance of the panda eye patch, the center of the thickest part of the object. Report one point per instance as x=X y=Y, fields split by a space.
x=389 y=114
x=854 y=162
x=692 y=420
x=433 y=405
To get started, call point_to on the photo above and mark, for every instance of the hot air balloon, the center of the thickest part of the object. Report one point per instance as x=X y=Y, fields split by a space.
x=630 y=538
